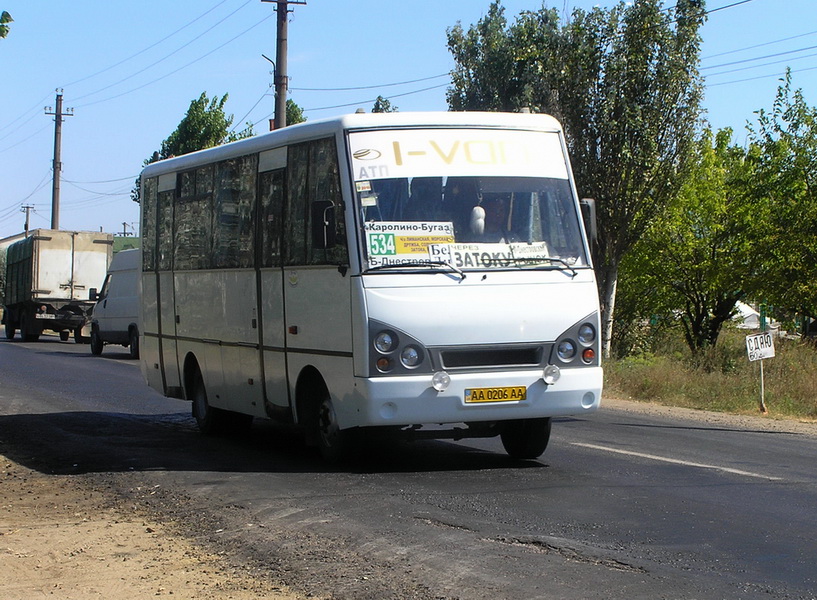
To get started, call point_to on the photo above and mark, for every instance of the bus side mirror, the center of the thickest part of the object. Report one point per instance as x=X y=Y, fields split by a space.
x=323 y=224
x=93 y=295
x=588 y=207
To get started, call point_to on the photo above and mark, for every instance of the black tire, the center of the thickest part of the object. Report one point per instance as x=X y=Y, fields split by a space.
x=211 y=420
x=28 y=331
x=79 y=338
x=10 y=330
x=526 y=438
x=335 y=444
x=133 y=346
x=96 y=342
x=64 y=335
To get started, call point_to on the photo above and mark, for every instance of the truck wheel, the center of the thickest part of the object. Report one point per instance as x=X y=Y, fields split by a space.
x=10 y=330
x=64 y=335
x=79 y=338
x=96 y=343
x=525 y=438
x=28 y=332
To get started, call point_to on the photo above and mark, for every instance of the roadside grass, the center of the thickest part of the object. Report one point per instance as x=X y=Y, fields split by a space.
x=721 y=380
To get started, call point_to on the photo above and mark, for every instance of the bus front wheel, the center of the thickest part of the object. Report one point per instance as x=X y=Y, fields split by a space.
x=525 y=438
x=334 y=443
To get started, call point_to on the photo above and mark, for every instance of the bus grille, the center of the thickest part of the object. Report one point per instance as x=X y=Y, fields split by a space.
x=492 y=357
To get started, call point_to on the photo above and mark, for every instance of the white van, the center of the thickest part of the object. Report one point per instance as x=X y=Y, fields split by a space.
x=115 y=316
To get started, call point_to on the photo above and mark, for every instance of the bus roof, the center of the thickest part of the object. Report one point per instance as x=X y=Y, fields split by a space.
x=325 y=127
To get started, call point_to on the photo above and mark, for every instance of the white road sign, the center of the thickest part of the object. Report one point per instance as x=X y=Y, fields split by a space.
x=760 y=346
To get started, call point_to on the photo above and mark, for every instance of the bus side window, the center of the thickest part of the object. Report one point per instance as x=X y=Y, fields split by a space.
x=234 y=212
x=324 y=187
x=193 y=223
x=149 y=200
x=270 y=208
x=165 y=226
x=313 y=176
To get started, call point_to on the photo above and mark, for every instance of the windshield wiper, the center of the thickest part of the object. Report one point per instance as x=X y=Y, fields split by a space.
x=559 y=263
x=418 y=263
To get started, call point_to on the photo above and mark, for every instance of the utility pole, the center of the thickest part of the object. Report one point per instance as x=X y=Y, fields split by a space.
x=26 y=208
x=280 y=77
x=55 y=185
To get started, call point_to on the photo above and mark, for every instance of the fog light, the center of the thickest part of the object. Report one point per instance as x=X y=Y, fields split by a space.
x=383 y=365
x=440 y=381
x=551 y=374
x=588 y=355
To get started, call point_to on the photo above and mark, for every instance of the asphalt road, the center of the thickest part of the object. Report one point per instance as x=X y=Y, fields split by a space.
x=621 y=505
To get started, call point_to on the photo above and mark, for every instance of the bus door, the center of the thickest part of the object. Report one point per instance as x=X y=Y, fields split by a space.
x=316 y=283
x=270 y=300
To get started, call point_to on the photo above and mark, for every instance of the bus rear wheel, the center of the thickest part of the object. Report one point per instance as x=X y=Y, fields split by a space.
x=525 y=438
x=211 y=420
x=10 y=330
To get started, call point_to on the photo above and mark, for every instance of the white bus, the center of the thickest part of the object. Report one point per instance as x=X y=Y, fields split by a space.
x=425 y=274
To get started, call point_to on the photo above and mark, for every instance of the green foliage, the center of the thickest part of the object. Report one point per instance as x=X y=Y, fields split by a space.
x=383 y=105
x=204 y=125
x=295 y=114
x=786 y=163
x=5 y=19
x=698 y=260
x=623 y=81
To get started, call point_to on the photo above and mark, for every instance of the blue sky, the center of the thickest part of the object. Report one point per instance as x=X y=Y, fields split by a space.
x=130 y=69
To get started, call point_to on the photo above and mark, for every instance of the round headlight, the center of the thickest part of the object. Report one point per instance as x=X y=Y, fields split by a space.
x=587 y=334
x=566 y=350
x=385 y=342
x=440 y=381
x=411 y=357
x=551 y=374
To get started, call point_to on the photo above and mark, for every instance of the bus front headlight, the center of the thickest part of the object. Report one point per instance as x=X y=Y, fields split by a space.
x=385 y=342
x=411 y=356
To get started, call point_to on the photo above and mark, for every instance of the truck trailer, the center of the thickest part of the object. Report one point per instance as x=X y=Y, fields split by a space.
x=49 y=276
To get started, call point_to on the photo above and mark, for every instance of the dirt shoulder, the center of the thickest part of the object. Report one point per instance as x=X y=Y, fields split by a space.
x=59 y=540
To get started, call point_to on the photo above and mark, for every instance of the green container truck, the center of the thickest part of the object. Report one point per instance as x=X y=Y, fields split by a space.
x=49 y=277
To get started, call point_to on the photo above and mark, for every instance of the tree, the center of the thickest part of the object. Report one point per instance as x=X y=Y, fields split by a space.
x=295 y=114
x=204 y=125
x=383 y=105
x=623 y=81
x=786 y=156
x=697 y=262
x=5 y=19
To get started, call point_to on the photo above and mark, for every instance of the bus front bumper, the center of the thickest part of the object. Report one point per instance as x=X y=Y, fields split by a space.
x=411 y=400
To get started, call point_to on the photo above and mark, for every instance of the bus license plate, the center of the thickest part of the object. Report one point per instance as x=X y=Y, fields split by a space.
x=497 y=394
x=45 y=316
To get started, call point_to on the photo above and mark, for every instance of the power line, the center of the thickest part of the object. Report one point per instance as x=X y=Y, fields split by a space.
x=710 y=85
x=167 y=37
x=774 y=62
x=744 y=61
x=150 y=66
x=787 y=39
x=369 y=87
x=192 y=62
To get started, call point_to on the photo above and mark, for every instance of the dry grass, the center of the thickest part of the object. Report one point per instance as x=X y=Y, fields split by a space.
x=723 y=380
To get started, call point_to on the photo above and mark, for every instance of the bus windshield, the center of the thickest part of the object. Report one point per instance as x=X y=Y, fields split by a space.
x=470 y=199
x=470 y=222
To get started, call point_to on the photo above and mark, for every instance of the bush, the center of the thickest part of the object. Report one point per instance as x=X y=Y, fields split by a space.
x=720 y=379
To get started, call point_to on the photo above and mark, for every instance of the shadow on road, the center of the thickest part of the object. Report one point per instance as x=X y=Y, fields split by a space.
x=97 y=442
